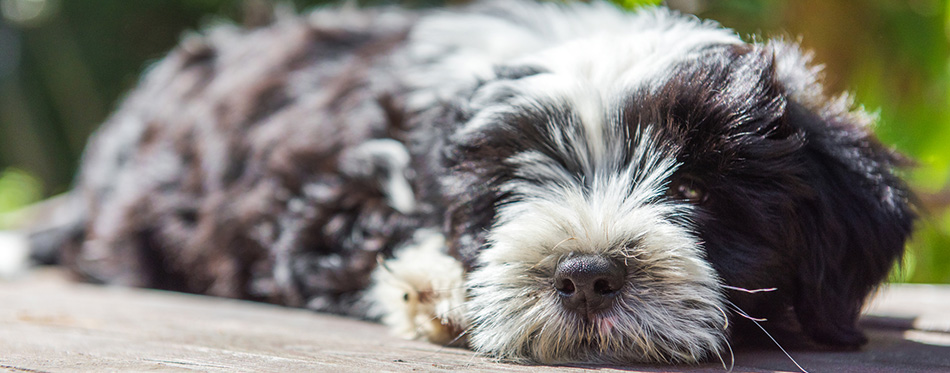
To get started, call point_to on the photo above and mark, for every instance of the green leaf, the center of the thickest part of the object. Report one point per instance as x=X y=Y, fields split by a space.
x=17 y=190
x=633 y=4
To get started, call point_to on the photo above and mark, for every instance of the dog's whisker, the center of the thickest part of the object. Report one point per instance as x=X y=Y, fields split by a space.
x=745 y=315
x=462 y=334
x=537 y=265
x=756 y=322
x=732 y=357
x=750 y=291
x=742 y=313
x=725 y=317
x=475 y=354
x=571 y=238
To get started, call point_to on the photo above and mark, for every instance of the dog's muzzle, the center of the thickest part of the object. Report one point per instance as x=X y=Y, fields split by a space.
x=588 y=284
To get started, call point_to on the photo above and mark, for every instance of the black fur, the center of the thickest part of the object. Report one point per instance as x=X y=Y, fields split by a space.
x=795 y=199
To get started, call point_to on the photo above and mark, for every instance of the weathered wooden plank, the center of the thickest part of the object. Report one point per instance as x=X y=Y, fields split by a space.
x=50 y=324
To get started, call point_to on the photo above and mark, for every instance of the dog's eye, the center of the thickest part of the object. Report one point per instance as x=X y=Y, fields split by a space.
x=689 y=189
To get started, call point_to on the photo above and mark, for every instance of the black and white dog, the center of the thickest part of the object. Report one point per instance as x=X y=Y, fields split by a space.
x=549 y=182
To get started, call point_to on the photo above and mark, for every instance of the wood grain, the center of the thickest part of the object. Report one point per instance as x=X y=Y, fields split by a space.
x=49 y=324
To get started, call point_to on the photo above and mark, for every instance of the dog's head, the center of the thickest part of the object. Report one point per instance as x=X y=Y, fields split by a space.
x=607 y=197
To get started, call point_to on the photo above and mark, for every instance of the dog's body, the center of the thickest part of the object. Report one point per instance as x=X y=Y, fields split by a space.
x=504 y=156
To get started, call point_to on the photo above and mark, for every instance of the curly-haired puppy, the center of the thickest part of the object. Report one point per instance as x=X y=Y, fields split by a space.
x=549 y=182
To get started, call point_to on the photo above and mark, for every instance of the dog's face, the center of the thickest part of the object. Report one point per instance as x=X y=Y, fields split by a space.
x=607 y=211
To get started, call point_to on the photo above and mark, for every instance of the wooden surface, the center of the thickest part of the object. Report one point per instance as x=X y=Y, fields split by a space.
x=50 y=324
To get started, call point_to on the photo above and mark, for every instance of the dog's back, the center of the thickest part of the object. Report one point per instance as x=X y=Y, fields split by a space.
x=238 y=151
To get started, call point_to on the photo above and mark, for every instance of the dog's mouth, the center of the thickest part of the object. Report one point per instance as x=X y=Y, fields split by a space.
x=598 y=323
x=593 y=317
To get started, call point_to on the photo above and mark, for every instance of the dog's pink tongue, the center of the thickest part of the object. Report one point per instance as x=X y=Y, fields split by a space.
x=607 y=324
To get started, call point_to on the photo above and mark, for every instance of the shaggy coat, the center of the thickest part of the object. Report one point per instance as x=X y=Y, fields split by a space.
x=435 y=168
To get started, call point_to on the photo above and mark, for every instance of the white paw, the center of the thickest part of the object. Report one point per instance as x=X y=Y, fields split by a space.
x=420 y=293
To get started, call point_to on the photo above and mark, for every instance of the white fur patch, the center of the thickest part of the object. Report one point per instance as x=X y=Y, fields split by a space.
x=569 y=39
x=387 y=161
x=420 y=293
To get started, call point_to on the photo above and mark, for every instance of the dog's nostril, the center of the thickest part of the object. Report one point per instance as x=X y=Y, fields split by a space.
x=603 y=287
x=587 y=283
x=565 y=286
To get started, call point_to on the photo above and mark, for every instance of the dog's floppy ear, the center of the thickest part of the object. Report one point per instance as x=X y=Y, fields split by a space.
x=854 y=226
x=472 y=164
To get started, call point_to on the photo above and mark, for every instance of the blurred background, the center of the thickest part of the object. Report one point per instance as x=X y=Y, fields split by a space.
x=65 y=63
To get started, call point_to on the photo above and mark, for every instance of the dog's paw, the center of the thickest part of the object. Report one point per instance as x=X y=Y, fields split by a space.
x=420 y=293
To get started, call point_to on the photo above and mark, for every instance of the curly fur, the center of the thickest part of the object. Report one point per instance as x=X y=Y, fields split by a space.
x=481 y=146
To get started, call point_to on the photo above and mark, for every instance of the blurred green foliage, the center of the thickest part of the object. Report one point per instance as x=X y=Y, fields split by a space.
x=64 y=64
x=633 y=4
x=895 y=58
x=17 y=189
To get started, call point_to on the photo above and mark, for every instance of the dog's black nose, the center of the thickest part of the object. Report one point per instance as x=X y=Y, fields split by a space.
x=588 y=283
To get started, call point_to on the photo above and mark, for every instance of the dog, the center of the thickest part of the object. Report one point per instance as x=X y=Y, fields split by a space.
x=542 y=182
